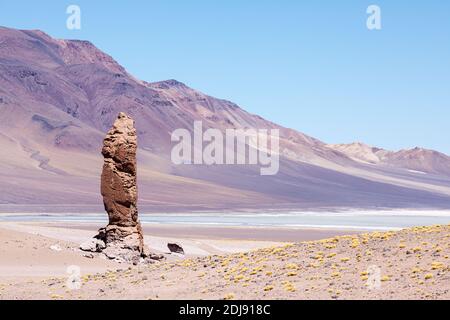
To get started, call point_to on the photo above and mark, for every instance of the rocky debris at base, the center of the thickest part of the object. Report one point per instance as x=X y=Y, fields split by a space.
x=120 y=251
x=93 y=245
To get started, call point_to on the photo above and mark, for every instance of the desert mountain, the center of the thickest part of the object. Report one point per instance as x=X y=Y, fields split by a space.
x=417 y=160
x=59 y=97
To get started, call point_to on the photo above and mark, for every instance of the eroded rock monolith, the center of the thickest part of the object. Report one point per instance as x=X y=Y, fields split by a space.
x=122 y=236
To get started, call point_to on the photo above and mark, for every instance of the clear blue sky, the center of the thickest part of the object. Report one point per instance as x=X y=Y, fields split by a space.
x=308 y=65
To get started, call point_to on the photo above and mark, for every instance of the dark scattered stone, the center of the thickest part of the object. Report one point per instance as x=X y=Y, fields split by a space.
x=175 y=248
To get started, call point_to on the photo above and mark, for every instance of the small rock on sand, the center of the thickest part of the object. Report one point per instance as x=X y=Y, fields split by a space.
x=56 y=247
x=175 y=248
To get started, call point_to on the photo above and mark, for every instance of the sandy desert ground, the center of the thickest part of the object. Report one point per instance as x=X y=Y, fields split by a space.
x=409 y=264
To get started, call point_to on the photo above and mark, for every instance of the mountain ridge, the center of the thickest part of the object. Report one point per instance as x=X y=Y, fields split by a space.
x=418 y=159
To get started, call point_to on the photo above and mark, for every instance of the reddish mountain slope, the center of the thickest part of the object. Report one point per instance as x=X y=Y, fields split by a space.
x=59 y=97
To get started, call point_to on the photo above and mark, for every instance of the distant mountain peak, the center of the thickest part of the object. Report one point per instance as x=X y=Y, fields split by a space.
x=417 y=159
x=359 y=151
x=37 y=48
x=167 y=84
